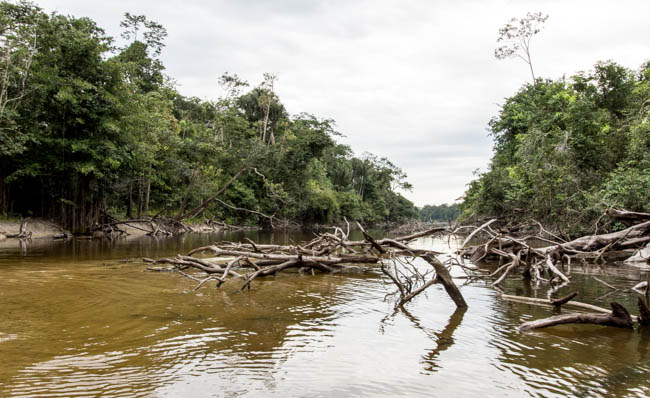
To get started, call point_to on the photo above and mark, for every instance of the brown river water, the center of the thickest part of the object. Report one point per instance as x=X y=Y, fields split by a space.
x=77 y=320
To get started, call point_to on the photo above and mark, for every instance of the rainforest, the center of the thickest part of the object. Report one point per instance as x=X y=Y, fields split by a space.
x=90 y=129
x=157 y=243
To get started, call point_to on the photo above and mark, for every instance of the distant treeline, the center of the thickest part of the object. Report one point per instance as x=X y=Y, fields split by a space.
x=442 y=212
x=566 y=149
x=89 y=128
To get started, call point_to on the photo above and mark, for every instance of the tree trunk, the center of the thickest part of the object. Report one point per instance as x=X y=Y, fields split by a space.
x=266 y=119
x=181 y=210
x=129 y=208
x=146 y=195
x=272 y=138
x=443 y=277
x=3 y=196
x=195 y=212
x=140 y=194
x=363 y=181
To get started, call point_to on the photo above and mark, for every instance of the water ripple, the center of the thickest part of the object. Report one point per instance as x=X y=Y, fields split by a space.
x=110 y=329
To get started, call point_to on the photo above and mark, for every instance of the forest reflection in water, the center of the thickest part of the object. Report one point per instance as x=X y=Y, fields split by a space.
x=76 y=320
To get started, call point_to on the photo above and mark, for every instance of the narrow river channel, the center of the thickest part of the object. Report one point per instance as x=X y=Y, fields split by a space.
x=84 y=319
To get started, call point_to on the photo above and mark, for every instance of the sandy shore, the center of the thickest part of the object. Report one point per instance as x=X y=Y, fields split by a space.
x=38 y=228
x=43 y=229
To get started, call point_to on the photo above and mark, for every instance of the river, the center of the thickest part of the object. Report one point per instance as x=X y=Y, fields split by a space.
x=84 y=318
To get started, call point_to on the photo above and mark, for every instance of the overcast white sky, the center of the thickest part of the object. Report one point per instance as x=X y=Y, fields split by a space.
x=415 y=81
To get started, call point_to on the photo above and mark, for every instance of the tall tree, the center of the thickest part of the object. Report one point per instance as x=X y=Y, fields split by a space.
x=516 y=36
x=266 y=98
x=154 y=35
x=19 y=24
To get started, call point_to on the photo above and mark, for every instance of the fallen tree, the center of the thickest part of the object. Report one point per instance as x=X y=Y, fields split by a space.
x=619 y=317
x=537 y=261
x=328 y=252
x=23 y=233
x=157 y=225
x=543 y=257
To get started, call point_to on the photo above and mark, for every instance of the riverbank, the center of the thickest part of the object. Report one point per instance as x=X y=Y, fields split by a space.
x=40 y=229
x=45 y=229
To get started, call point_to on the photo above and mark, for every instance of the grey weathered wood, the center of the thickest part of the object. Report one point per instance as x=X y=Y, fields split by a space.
x=619 y=317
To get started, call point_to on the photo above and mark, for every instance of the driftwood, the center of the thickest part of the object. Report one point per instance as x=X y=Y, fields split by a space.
x=328 y=252
x=536 y=262
x=619 y=317
x=443 y=277
x=23 y=233
x=156 y=226
x=333 y=251
x=279 y=222
x=477 y=230
x=628 y=217
x=555 y=303
x=641 y=287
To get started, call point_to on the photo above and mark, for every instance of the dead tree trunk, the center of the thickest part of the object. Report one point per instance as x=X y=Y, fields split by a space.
x=146 y=195
x=628 y=218
x=619 y=318
x=444 y=278
x=550 y=258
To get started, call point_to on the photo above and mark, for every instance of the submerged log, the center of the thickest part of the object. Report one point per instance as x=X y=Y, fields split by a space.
x=619 y=317
x=543 y=302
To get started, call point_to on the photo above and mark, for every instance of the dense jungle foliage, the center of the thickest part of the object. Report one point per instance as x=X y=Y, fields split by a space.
x=87 y=127
x=442 y=213
x=567 y=149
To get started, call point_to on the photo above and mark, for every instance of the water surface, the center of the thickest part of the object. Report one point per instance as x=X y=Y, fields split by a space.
x=83 y=319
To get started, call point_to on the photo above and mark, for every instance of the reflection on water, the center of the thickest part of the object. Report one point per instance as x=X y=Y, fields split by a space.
x=82 y=319
x=444 y=339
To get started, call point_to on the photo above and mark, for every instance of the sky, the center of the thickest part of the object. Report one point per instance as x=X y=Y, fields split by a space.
x=413 y=81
